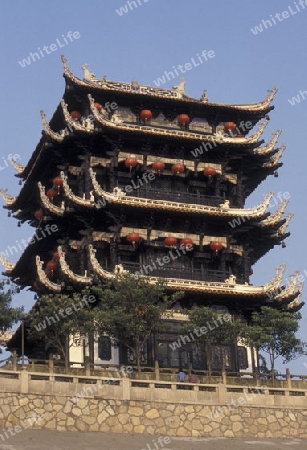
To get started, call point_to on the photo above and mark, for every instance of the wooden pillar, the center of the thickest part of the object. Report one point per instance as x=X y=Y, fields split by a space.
x=87 y=177
x=240 y=193
x=14 y=361
x=288 y=378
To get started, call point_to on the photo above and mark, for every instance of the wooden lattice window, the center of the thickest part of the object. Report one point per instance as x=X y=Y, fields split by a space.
x=104 y=348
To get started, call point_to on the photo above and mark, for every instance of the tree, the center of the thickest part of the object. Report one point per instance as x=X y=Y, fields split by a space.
x=8 y=315
x=57 y=317
x=130 y=308
x=274 y=331
x=211 y=327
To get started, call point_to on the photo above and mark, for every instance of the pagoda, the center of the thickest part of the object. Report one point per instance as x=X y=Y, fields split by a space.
x=128 y=177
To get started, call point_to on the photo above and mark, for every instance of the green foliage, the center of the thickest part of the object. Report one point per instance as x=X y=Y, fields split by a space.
x=130 y=308
x=126 y=308
x=57 y=316
x=8 y=315
x=211 y=327
x=219 y=325
x=274 y=332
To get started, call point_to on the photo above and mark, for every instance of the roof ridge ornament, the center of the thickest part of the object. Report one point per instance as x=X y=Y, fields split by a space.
x=85 y=125
x=179 y=88
x=273 y=161
x=9 y=199
x=58 y=137
x=75 y=198
x=43 y=277
x=276 y=216
x=8 y=265
x=87 y=74
x=269 y=146
x=84 y=279
x=18 y=167
x=47 y=203
x=284 y=226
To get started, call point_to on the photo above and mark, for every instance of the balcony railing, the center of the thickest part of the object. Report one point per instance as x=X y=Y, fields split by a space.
x=184 y=197
x=183 y=273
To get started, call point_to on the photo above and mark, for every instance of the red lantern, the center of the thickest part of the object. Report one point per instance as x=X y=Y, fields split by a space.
x=51 y=193
x=57 y=181
x=146 y=114
x=229 y=126
x=76 y=115
x=184 y=118
x=48 y=273
x=39 y=214
x=178 y=168
x=170 y=241
x=158 y=165
x=216 y=245
x=98 y=106
x=51 y=265
x=133 y=237
x=131 y=162
x=209 y=172
x=56 y=255
x=186 y=241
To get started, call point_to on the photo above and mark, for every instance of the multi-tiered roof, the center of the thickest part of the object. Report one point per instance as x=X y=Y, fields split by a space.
x=106 y=135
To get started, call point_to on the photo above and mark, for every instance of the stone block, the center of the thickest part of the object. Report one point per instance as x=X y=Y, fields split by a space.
x=152 y=414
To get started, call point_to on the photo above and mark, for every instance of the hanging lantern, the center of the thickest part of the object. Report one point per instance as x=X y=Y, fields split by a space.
x=146 y=114
x=51 y=265
x=51 y=193
x=98 y=106
x=56 y=256
x=39 y=214
x=178 y=168
x=158 y=165
x=186 y=241
x=229 y=126
x=48 y=273
x=209 y=172
x=133 y=238
x=184 y=119
x=76 y=115
x=216 y=245
x=131 y=162
x=170 y=241
x=57 y=181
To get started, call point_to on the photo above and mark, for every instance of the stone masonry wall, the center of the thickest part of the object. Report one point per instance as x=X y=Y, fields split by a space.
x=124 y=416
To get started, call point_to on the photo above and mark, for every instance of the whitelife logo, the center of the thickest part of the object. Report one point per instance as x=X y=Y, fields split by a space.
x=187 y=66
x=52 y=47
x=302 y=95
x=279 y=16
x=132 y=5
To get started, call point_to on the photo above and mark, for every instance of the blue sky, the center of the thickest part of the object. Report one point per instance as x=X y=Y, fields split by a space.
x=144 y=43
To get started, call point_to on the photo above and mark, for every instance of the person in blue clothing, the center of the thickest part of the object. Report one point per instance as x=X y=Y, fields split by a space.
x=181 y=375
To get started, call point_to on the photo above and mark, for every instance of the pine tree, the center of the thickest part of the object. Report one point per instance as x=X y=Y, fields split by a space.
x=130 y=309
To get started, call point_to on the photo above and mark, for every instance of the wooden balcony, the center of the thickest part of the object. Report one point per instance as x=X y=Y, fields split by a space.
x=166 y=271
x=183 y=197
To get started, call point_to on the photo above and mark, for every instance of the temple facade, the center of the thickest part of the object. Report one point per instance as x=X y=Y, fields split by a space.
x=128 y=177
